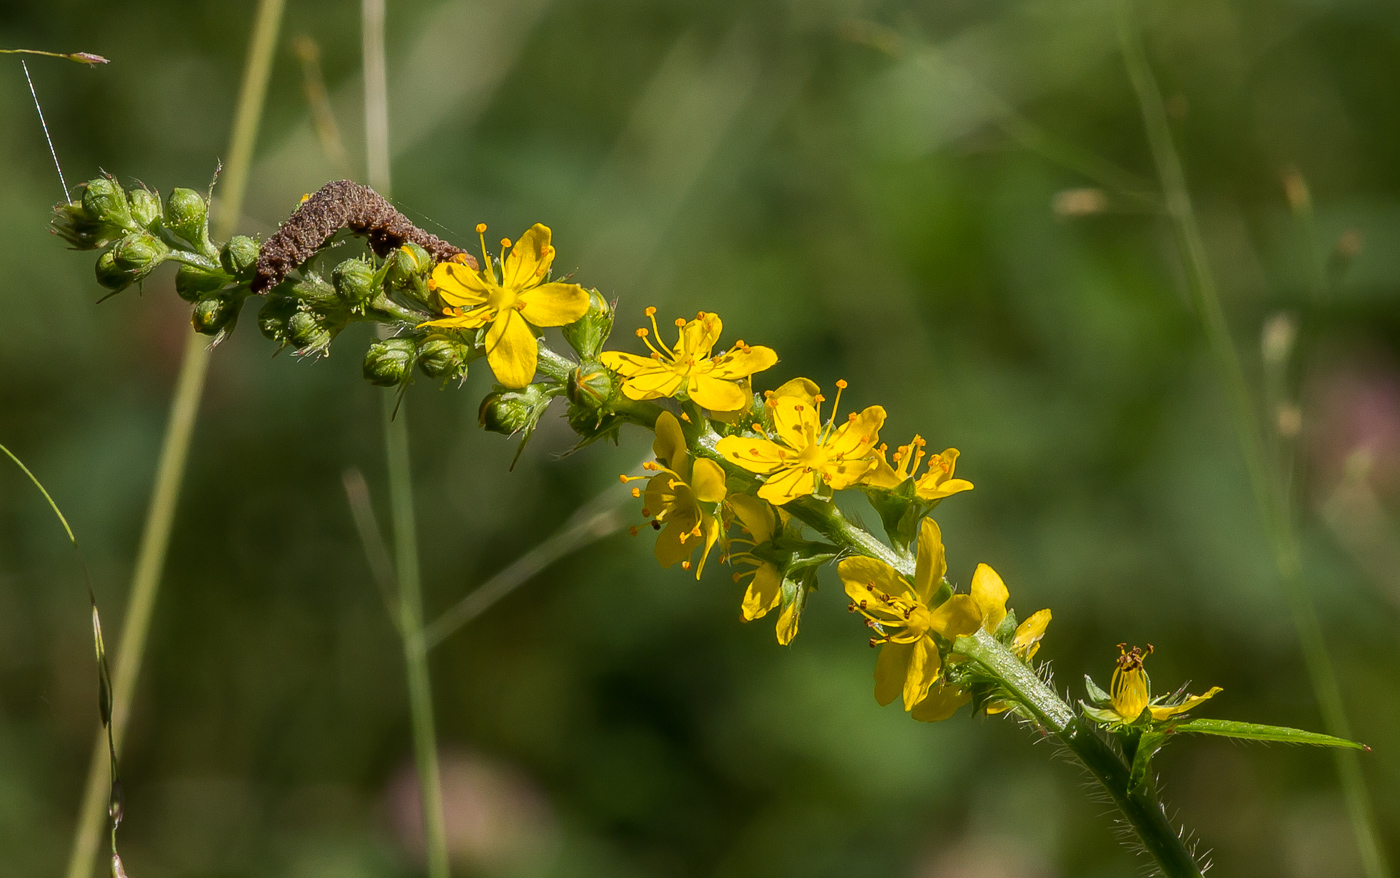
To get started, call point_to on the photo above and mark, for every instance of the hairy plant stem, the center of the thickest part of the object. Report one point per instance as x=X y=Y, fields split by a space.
x=1141 y=807
x=415 y=648
x=170 y=470
x=1267 y=482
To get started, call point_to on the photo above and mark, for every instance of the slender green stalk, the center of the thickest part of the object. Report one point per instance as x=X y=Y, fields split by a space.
x=1270 y=494
x=410 y=591
x=170 y=471
x=1141 y=808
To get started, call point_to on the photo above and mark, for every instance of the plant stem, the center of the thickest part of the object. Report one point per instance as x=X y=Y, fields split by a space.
x=415 y=649
x=1272 y=499
x=1141 y=807
x=170 y=470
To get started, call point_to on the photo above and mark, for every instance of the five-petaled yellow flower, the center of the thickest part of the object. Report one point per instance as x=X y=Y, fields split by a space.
x=804 y=453
x=519 y=301
x=1131 y=692
x=902 y=619
x=937 y=481
x=765 y=591
x=681 y=499
x=719 y=383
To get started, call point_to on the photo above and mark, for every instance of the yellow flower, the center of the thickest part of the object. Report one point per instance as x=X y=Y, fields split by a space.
x=717 y=383
x=681 y=499
x=904 y=623
x=519 y=301
x=765 y=592
x=1131 y=692
x=937 y=481
x=806 y=453
x=989 y=594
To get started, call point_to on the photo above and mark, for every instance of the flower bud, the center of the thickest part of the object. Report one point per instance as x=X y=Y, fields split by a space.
x=587 y=334
x=510 y=411
x=240 y=257
x=109 y=275
x=106 y=204
x=72 y=223
x=140 y=253
x=591 y=424
x=408 y=262
x=445 y=358
x=591 y=386
x=389 y=363
x=273 y=318
x=212 y=315
x=145 y=207
x=193 y=281
x=308 y=331
x=354 y=281
x=187 y=216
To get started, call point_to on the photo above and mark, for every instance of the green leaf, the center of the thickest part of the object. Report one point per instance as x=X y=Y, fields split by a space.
x=1254 y=732
x=1147 y=747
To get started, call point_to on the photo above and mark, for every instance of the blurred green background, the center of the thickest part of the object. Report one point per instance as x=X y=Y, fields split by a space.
x=887 y=192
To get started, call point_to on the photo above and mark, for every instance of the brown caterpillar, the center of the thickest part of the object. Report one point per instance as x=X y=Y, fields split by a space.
x=343 y=204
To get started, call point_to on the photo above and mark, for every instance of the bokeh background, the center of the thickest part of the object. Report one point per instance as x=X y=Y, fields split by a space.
x=941 y=203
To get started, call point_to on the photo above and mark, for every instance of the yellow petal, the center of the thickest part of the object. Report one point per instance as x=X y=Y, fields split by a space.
x=1028 y=634
x=653 y=384
x=765 y=591
x=669 y=445
x=755 y=455
x=754 y=514
x=554 y=304
x=794 y=420
x=471 y=320
x=930 y=567
x=1161 y=713
x=787 y=485
x=697 y=337
x=716 y=395
x=511 y=349
x=842 y=475
x=528 y=261
x=787 y=622
x=859 y=573
x=940 y=704
x=924 y=666
x=856 y=438
x=743 y=363
x=669 y=548
x=707 y=481
x=709 y=531
x=956 y=616
x=891 y=670
x=927 y=489
x=800 y=389
x=991 y=596
x=459 y=285
x=627 y=365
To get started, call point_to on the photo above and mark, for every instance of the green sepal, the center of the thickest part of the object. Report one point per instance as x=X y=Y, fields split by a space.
x=1099 y=714
x=1096 y=695
x=900 y=511
x=1147 y=746
x=1255 y=732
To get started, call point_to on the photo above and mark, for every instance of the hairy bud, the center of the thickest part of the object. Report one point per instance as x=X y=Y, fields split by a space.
x=105 y=203
x=354 y=281
x=212 y=315
x=587 y=334
x=390 y=362
x=309 y=332
x=445 y=358
x=146 y=209
x=273 y=318
x=591 y=386
x=239 y=257
x=510 y=411
x=187 y=216
x=192 y=282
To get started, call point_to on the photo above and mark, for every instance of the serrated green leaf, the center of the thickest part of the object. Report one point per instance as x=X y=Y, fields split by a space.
x=1254 y=732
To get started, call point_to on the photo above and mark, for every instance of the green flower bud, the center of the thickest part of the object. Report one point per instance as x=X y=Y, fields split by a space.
x=106 y=204
x=272 y=319
x=591 y=424
x=587 y=334
x=145 y=207
x=240 y=256
x=309 y=332
x=591 y=386
x=192 y=282
x=187 y=216
x=510 y=411
x=354 y=281
x=109 y=275
x=140 y=253
x=212 y=315
x=389 y=363
x=72 y=223
x=445 y=358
